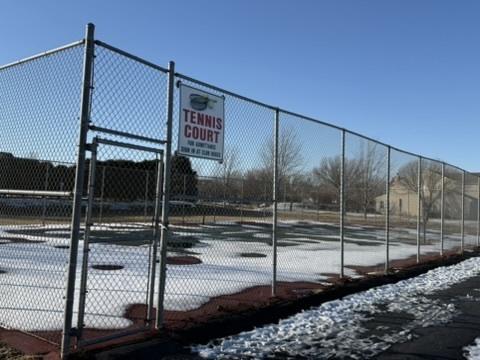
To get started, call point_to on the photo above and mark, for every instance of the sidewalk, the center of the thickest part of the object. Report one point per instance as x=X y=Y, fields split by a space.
x=446 y=341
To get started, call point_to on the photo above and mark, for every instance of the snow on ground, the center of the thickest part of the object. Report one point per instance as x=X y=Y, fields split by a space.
x=32 y=287
x=472 y=352
x=337 y=328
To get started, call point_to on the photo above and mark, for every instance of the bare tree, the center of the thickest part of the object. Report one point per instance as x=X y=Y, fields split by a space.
x=430 y=190
x=370 y=175
x=364 y=177
x=229 y=171
x=328 y=175
x=229 y=168
x=290 y=159
x=258 y=182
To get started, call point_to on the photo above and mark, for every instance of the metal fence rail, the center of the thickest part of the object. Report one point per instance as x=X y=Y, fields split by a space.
x=93 y=191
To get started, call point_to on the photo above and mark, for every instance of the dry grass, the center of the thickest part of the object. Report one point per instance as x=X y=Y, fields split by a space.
x=7 y=353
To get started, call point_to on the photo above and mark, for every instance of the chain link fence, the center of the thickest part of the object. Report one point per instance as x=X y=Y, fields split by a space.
x=38 y=128
x=106 y=231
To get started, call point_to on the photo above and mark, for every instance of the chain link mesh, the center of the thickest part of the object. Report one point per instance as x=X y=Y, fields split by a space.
x=471 y=211
x=121 y=240
x=431 y=192
x=39 y=108
x=308 y=201
x=404 y=208
x=128 y=96
x=365 y=181
x=221 y=214
x=453 y=209
x=128 y=107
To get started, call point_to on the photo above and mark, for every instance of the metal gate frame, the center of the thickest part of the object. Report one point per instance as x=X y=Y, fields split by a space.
x=162 y=197
x=93 y=148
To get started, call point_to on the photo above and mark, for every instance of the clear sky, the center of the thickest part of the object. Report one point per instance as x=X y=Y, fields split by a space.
x=404 y=72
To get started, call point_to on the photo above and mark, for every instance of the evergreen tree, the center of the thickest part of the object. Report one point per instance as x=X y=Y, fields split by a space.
x=183 y=178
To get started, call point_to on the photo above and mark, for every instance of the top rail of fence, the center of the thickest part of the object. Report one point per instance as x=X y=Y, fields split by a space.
x=41 y=55
x=131 y=56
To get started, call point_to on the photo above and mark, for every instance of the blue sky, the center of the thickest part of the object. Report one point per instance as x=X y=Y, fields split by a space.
x=403 y=72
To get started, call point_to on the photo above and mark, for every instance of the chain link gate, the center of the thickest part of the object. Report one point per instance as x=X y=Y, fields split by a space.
x=121 y=237
x=111 y=284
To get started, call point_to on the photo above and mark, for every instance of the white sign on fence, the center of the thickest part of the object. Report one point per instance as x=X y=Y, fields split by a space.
x=202 y=124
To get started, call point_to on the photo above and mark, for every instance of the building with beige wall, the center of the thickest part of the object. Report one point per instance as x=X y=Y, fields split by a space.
x=404 y=201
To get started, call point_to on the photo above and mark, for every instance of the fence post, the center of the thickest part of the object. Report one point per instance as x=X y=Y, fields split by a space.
x=242 y=201
x=164 y=234
x=419 y=205
x=275 y=202
x=224 y=191
x=442 y=210
x=44 y=210
x=102 y=194
x=265 y=199
x=318 y=205
x=184 y=197
x=86 y=238
x=78 y=190
x=215 y=203
x=462 y=231
x=342 y=207
x=156 y=238
x=145 y=207
x=387 y=214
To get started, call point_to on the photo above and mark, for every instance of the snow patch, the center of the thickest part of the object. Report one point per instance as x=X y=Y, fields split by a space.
x=472 y=352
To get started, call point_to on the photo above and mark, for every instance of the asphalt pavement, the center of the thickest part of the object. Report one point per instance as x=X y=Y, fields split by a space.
x=444 y=341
